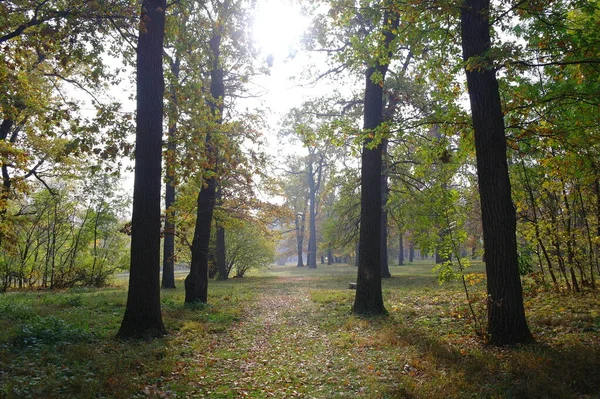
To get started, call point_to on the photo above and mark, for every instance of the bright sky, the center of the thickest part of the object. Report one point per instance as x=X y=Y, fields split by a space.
x=278 y=29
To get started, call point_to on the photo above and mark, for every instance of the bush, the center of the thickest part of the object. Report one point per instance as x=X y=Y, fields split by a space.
x=247 y=248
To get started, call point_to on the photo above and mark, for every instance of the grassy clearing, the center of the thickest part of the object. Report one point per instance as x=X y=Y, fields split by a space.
x=287 y=333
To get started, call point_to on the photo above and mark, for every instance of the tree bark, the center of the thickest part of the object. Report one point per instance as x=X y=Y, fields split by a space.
x=222 y=273
x=369 y=298
x=168 y=277
x=196 y=283
x=385 y=268
x=313 y=187
x=142 y=314
x=400 y=250
x=506 y=316
x=299 y=238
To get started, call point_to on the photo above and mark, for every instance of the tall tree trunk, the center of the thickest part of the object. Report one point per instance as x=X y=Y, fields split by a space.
x=313 y=187
x=411 y=252
x=369 y=298
x=196 y=283
x=385 y=268
x=168 y=277
x=142 y=314
x=506 y=315
x=329 y=256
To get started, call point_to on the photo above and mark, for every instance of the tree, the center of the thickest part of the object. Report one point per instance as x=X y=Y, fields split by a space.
x=369 y=299
x=506 y=316
x=341 y=229
x=143 y=316
x=306 y=125
x=168 y=277
x=196 y=283
x=293 y=186
x=47 y=48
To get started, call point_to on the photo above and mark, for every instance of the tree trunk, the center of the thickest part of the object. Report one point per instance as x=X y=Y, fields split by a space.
x=506 y=316
x=142 y=314
x=329 y=256
x=168 y=277
x=369 y=298
x=400 y=250
x=385 y=269
x=411 y=252
x=311 y=260
x=196 y=283
x=299 y=238
x=222 y=273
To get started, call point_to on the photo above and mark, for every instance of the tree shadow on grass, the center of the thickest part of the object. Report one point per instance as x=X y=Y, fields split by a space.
x=444 y=370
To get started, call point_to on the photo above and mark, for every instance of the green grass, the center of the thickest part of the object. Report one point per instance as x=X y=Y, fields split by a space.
x=288 y=333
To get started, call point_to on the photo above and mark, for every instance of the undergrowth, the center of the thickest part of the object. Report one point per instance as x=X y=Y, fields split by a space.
x=288 y=333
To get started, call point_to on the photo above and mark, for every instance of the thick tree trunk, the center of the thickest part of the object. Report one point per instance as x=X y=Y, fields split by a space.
x=369 y=299
x=196 y=283
x=411 y=252
x=142 y=314
x=506 y=315
x=329 y=256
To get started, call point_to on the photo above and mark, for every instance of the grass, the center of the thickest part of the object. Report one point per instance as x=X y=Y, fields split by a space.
x=288 y=333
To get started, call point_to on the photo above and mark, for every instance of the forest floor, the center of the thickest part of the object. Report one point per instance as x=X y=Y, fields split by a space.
x=288 y=333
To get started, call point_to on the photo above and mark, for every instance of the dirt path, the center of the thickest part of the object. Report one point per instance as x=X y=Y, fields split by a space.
x=280 y=349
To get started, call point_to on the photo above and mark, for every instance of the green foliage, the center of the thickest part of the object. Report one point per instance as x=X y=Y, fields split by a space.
x=66 y=237
x=248 y=247
x=525 y=262
x=14 y=310
x=50 y=330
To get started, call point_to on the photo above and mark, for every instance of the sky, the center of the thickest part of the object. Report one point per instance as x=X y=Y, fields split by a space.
x=277 y=30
